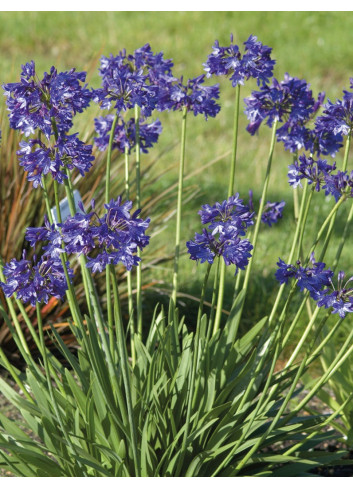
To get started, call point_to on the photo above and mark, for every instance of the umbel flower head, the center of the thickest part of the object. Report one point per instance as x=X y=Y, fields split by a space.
x=272 y=211
x=129 y=80
x=289 y=101
x=33 y=103
x=255 y=62
x=116 y=236
x=37 y=281
x=318 y=282
x=195 y=96
x=314 y=171
x=125 y=133
x=227 y=222
x=68 y=153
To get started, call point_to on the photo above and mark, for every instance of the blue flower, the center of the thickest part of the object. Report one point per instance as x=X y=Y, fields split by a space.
x=340 y=300
x=272 y=212
x=289 y=101
x=68 y=152
x=196 y=97
x=116 y=236
x=33 y=103
x=315 y=171
x=231 y=211
x=227 y=221
x=125 y=133
x=255 y=63
x=312 y=278
x=339 y=184
x=35 y=282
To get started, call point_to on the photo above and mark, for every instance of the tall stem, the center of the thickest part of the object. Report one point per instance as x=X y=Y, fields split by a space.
x=235 y=142
x=107 y=200
x=138 y=203
x=258 y=222
x=222 y=276
x=333 y=219
x=129 y=274
x=179 y=205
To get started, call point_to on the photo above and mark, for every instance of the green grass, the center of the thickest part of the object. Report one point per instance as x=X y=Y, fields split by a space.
x=313 y=45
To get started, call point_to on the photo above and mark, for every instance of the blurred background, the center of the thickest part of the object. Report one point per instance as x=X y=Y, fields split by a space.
x=317 y=46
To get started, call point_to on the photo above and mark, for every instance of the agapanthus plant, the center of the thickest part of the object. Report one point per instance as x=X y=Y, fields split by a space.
x=318 y=282
x=125 y=134
x=314 y=171
x=37 y=281
x=67 y=153
x=33 y=103
x=227 y=222
x=255 y=62
x=116 y=236
x=289 y=102
x=272 y=211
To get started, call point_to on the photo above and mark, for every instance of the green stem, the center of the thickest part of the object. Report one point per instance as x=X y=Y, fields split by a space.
x=138 y=203
x=217 y=321
x=258 y=219
x=179 y=206
x=235 y=142
x=107 y=200
x=333 y=219
x=129 y=274
x=70 y=294
x=126 y=374
x=214 y=295
x=14 y=375
x=343 y=239
x=303 y=211
x=230 y=193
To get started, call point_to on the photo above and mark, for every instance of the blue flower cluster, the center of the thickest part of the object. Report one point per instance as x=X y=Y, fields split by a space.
x=272 y=211
x=289 y=101
x=33 y=103
x=196 y=97
x=35 y=282
x=145 y=79
x=320 y=173
x=318 y=282
x=49 y=105
x=255 y=63
x=125 y=133
x=116 y=236
x=336 y=122
x=227 y=222
x=68 y=152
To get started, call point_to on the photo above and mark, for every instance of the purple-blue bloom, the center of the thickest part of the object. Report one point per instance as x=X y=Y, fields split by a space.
x=315 y=171
x=33 y=103
x=35 y=282
x=117 y=235
x=272 y=212
x=289 y=101
x=255 y=63
x=227 y=221
x=67 y=153
x=231 y=211
x=339 y=184
x=125 y=133
x=312 y=278
x=198 y=98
